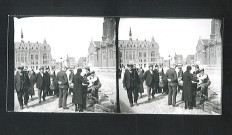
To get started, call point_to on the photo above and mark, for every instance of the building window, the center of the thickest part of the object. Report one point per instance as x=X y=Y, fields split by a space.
x=144 y=54
x=153 y=45
x=22 y=58
x=36 y=57
x=127 y=56
x=144 y=65
x=140 y=54
x=31 y=57
x=45 y=56
x=153 y=54
x=145 y=60
x=44 y=47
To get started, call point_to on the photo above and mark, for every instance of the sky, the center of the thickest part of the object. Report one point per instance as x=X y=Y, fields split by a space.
x=172 y=35
x=66 y=35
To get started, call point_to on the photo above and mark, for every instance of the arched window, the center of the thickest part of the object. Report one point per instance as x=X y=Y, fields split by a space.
x=153 y=54
x=44 y=47
x=45 y=56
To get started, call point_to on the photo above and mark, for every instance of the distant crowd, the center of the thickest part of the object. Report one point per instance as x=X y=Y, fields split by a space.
x=156 y=81
x=50 y=83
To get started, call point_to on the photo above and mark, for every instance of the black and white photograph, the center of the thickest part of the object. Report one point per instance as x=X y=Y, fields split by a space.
x=65 y=64
x=170 y=66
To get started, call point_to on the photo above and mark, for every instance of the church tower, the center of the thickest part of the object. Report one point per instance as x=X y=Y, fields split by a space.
x=22 y=36
x=108 y=30
x=130 y=35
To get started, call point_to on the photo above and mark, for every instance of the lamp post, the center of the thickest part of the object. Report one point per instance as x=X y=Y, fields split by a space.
x=61 y=62
x=169 y=59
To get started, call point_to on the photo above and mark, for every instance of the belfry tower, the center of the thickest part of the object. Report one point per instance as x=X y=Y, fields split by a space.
x=130 y=35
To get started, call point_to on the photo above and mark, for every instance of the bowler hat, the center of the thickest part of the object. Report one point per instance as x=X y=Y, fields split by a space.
x=41 y=68
x=129 y=65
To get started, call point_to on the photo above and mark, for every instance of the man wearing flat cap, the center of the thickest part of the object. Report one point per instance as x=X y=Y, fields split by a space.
x=41 y=84
x=21 y=85
x=130 y=83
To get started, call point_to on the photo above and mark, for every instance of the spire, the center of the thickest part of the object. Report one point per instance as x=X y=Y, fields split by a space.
x=22 y=35
x=45 y=41
x=153 y=39
x=130 y=34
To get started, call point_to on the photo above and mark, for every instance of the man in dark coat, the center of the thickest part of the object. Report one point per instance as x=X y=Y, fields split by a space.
x=21 y=85
x=156 y=76
x=172 y=85
x=48 y=82
x=85 y=86
x=149 y=78
x=78 y=90
x=70 y=78
x=41 y=84
x=130 y=83
x=63 y=88
x=187 y=88
x=194 y=84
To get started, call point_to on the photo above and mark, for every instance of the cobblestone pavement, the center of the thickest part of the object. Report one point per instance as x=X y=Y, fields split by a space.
x=107 y=79
x=159 y=105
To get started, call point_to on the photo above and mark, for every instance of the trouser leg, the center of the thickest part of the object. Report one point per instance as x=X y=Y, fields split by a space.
x=84 y=101
x=174 y=92
x=135 y=92
x=96 y=94
x=129 y=95
x=26 y=96
x=60 y=97
x=148 y=91
x=20 y=98
x=153 y=91
x=65 y=95
x=170 y=95
x=39 y=94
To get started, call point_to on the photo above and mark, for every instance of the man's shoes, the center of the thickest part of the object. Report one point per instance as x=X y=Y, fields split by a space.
x=39 y=102
x=149 y=99
x=174 y=105
x=21 y=107
x=131 y=105
x=76 y=109
x=44 y=99
x=153 y=96
x=65 y=108
x=136 y=104
x=26 y=106
x=60 y=106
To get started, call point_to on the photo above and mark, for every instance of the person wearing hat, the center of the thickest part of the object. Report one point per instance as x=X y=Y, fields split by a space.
x=48 y=82
x=96 y=84
x=79 y=97
x=63 y=88
x=130 y=84
x=21 y=85
x=41 y=84
x=172 y=85
x=203 y=84
x=187 y=88
x=149 y=77
x=156 y=76
x=70 y=78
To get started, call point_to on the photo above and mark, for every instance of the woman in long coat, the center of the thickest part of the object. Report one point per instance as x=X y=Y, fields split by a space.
x=78 y=90
x=187 y=88
x=32 y=77
x=140 y=87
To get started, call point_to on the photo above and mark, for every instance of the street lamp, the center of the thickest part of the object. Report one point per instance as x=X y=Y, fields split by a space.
x=61 y=62
x=169 y=59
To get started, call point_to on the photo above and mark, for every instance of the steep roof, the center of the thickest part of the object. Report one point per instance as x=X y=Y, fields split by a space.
x=97 y=43
x=205 y=41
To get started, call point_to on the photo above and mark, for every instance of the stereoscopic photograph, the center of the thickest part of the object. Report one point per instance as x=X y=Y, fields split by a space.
x=170 y=66
x=64 y=64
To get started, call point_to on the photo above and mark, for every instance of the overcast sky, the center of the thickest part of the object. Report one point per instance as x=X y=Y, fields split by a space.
x=65 y=35
x=172 y=35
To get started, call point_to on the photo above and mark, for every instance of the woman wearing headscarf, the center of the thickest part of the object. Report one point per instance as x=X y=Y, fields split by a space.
x=78 y=90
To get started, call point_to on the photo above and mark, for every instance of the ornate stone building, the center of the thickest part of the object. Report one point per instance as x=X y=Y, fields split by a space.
x=32 y=55
x=209 y=51
x=103 y=53
x=138 y=52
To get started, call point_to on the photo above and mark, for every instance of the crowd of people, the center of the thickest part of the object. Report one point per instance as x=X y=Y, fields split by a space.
x=58 y=85
x=191 y=83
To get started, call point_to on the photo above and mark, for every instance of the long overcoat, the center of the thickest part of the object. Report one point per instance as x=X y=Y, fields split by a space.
x=140 y=88
x=32 y=82
x=187 y=86
x=131 y=79
x=78 y=88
